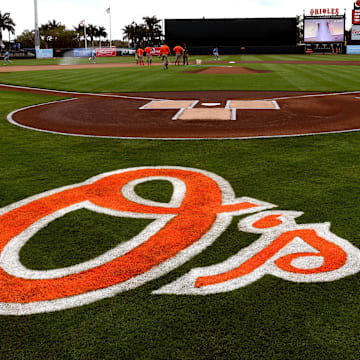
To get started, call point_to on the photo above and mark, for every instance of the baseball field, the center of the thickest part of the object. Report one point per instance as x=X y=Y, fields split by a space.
x=210 y=211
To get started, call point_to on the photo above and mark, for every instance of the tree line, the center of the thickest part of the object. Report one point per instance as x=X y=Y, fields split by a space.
x=149 y=32
x=54 y=34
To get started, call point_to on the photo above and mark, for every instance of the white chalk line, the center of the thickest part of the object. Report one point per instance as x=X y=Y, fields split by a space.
x=313 y=95
x=157 y=99
x=83 y=94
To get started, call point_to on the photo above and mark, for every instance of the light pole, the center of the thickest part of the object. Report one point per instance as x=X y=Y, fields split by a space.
x=37 y=35
x=108 y=10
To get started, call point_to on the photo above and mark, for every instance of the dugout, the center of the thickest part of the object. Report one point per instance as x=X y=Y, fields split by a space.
x=233 y=36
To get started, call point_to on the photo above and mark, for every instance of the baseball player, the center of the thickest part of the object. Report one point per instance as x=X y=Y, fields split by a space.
x=216 y=53
x=7 y=58
x=140 y=54
x=93 y=56
x=148 y=55
x=178 y=52
x=165 y=52
x=136 y=58
x=185 y=55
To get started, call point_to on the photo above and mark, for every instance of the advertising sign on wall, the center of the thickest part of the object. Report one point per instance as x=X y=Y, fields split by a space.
x=44 y=54
x=102 y=52
x=82 y=52
x=127 y=51
x=355 y=32
x=155 y=51
x=353 y=49
x=356 y=16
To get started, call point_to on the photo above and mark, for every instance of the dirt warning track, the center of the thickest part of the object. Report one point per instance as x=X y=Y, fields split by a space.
x=193 y=115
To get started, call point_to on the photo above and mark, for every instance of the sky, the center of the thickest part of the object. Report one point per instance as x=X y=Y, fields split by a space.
x=71 y=12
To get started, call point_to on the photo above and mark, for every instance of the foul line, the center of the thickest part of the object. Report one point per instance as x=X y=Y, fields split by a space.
x=80 y=93
x=157 y=99
x=313 y=95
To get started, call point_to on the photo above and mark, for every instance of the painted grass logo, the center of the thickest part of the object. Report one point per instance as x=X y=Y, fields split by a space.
x=201 y=208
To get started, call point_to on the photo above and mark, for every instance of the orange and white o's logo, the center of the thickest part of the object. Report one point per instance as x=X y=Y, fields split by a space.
x=201 y=208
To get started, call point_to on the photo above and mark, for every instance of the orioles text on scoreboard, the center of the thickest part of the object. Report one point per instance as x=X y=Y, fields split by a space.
x=333 y=11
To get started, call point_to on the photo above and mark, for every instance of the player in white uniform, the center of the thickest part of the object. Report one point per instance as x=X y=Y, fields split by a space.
x=93 y=56
x=7 y=58
x=216 y=53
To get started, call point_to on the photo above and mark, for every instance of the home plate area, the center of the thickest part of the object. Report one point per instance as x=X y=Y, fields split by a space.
x=195 y=114
x=209 y=111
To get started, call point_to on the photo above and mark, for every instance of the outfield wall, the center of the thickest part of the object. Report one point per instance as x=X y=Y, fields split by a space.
x=353 y=49
x=82 y=52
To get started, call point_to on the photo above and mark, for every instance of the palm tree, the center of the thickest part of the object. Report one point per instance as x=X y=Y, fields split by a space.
x=129 y=33
x=101 y=33
x=48 y=31
x=6 y=23
x=50 y=25
x=79 y=31
x=141 y=34
x=53 y=24
x=91 y=30
x=154 y=28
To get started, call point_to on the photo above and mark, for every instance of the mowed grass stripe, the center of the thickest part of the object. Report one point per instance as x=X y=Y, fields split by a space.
x=283 y=77
x=192 y=58
x=337 y=79
x=305 y=77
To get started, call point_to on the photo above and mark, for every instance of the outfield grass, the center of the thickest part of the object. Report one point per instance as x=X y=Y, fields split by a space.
x=192 y=58
x=269 y=319
x=288 y=77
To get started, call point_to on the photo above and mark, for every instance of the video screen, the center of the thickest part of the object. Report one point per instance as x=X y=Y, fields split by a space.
x=324 y=30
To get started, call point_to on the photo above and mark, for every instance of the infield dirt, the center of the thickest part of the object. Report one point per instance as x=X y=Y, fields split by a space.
x=121 y=115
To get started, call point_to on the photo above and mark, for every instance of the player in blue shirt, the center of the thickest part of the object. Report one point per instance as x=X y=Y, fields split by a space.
x=93 y=56
x=7 y=58
x=216 y=53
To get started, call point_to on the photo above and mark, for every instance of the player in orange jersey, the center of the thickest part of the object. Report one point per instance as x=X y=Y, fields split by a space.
x=140 y=54
x=178 y=52
x=148 y=55
x=165 y=52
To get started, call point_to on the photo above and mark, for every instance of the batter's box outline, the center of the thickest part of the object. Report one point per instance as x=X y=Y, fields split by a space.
x=169 y=104
x=186 y=106
x=252 y=104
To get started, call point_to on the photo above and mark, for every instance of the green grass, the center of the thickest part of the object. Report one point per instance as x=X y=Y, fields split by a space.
x=286 y=77
x=59 y=61
x=82 y=234
x=269 y=319
x=283 y=77
x=192 y=58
